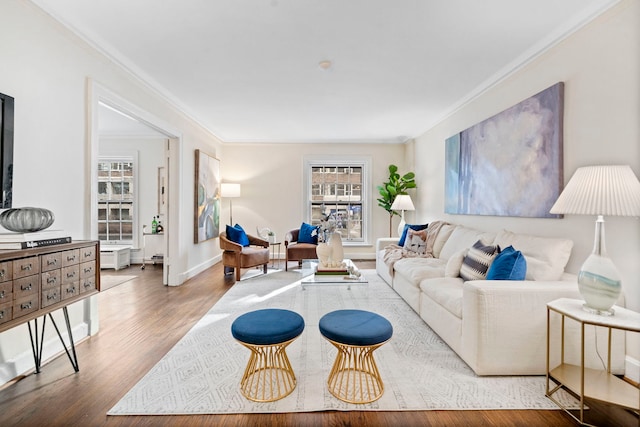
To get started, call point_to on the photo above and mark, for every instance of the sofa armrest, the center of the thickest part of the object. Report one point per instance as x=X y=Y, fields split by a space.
x=382 y=242
x=504 y=326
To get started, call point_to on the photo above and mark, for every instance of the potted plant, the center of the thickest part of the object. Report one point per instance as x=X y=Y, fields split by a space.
x=396 y=184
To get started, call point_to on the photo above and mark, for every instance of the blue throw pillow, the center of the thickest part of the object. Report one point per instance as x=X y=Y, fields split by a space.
x=237 y=235
x=416 y=227
x=508 y=265
x=308 y=234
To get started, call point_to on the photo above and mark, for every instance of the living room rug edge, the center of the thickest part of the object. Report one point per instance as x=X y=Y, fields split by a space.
x=201 y=373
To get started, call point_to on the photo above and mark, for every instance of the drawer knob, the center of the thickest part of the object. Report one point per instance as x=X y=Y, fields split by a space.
x=2 y=273
x=52 y=296
x=71 y=258
x=72 y=274
x=25 y=288
x=26 y=306
x=27 y=267
x=2 y=294
x=52 y=280
x=52 y=262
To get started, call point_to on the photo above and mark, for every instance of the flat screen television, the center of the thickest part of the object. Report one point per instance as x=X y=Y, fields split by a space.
x=6 y=150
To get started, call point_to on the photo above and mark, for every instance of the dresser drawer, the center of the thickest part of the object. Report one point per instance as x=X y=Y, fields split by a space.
x=71 y=257
x=88 y=254
x=50 y=279
x=6 y=311
x=6 y=292
x=6 y=271
x=50 y=296
x=70 y=274
x=26 y=267
x=87 y=269
x=26 y=305
x=70 y=290
x=87 y=284
x=26 y=286
x=51 y=261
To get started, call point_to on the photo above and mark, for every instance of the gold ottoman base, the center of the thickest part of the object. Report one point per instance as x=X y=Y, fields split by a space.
x=354 y=377
x=268 y=375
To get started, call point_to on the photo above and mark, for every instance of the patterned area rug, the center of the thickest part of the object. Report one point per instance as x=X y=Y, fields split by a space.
x=201 y=374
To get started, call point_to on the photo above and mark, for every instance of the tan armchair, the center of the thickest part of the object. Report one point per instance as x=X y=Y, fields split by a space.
x=237 y=256
x=295 y=251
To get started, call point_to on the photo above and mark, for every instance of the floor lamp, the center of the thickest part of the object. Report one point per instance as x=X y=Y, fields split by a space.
x=231 y=191
x=402 y=203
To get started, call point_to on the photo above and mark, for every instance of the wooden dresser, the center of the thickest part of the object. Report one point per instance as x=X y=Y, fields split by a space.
x=35 y=282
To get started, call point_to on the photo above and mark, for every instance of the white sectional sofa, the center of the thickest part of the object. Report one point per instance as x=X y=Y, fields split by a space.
x=498 y=327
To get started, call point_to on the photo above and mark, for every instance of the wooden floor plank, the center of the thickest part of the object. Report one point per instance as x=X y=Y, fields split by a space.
x=140 y=320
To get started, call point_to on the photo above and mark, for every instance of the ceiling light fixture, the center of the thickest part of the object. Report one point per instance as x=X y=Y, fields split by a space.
x=325 y=65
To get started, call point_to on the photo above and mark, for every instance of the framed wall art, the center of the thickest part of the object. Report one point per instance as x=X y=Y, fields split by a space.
x=509 y=164
x=207 y=197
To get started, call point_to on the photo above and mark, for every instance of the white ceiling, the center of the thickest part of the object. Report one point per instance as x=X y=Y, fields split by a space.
x=248 y=70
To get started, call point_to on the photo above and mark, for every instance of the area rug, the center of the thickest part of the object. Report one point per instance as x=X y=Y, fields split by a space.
x=201 y=373
x=108 y=282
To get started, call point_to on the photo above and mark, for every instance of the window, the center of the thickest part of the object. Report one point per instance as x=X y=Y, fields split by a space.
x=116 y=201
x=338 y=187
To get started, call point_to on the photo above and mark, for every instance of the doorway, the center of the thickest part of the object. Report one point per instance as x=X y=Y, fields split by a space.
x=105 y=107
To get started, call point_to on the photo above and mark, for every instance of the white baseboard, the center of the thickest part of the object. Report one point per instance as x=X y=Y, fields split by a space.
x=632 y=369
x=24 y=364
x=192 y=272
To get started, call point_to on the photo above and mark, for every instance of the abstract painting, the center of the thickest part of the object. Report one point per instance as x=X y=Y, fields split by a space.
x=207 y=197
x=509 y=164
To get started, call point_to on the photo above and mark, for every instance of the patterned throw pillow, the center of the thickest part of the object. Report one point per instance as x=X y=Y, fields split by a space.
x=478 y=260
x=413 y=243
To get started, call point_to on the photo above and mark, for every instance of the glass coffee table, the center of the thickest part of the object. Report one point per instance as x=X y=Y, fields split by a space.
x=311 y=278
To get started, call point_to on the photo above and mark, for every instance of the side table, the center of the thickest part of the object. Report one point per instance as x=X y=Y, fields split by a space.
x=273 y=253
x=585 y=382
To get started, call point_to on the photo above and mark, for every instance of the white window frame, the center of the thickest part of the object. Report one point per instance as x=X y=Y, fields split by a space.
x=363 y=162
x=130 y=156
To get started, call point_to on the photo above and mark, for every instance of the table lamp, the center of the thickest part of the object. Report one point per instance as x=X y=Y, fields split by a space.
x=402 y=203
x=600 y=191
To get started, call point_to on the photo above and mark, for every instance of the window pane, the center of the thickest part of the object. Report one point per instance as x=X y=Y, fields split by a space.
x=115 y=194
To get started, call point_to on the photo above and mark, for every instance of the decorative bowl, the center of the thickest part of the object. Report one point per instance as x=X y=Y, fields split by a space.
x=26 y=220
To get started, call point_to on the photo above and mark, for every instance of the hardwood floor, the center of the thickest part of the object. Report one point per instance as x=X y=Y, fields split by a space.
x=140 y=320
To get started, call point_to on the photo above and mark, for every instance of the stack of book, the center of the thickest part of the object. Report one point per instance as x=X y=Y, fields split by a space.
x=36 y=239
x=328 y=271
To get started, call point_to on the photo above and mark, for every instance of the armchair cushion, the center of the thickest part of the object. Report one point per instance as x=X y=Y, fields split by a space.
x=237 y=235
x=308 y=234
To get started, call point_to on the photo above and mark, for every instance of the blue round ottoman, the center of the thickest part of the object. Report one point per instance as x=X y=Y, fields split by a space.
x=354 y=377
x=268 y=375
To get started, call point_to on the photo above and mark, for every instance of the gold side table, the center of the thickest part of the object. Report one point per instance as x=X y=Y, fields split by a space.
x=584 y=382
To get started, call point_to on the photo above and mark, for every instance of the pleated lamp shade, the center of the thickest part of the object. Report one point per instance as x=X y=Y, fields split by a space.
x=600 y=190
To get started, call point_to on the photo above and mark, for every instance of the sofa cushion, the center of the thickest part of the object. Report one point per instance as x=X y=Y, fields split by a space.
x=546 y=257
x=441 y=238
x=454 y=263
x=508 y=265
x=237 y=235
x=416 y=227
x=447 y=292
x=463 y=238
x=308 y=234
x=417 y=269
x=478 y=260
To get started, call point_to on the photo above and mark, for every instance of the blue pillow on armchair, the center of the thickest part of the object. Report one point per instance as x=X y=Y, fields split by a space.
x=508 y=265
x=308 y=234
x=237 y=235
x=416 y=227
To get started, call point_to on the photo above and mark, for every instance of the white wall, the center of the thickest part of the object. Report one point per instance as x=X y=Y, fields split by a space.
x=46 y=69
x=600 y=66
x=272 y=178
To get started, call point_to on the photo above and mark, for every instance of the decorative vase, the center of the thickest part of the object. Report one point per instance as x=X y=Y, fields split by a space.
x=26 y=220
x=323 y=251
x=337 y=252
